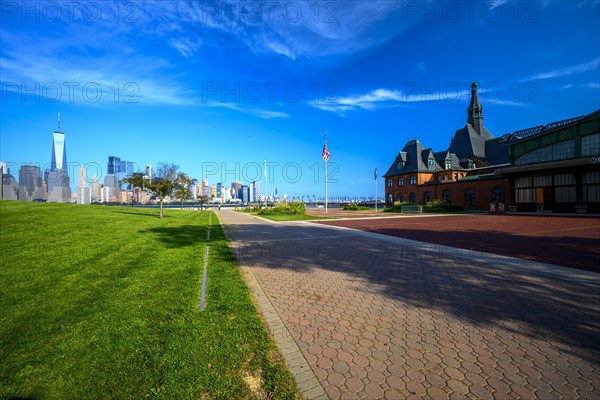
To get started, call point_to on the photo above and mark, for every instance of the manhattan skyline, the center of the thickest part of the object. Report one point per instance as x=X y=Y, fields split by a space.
x=224 y=85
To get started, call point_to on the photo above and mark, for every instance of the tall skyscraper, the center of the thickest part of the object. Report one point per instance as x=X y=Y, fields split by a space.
x=113 y=165
x=9 y=185
x=30 y=183
x=236 y=187
x=57 y=179
x=84 y=195
x=95 y=189
x=254 y=191
x=59 y=151
x=245 y=194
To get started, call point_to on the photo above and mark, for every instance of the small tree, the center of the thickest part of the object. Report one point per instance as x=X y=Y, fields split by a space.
x=164 y=183
x=203 y=200
x=137 y=181
x=181 y=191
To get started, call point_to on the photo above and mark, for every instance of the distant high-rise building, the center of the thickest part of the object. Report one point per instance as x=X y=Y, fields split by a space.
x=236 y=186
x=205 y=182
x=219 y=189
x=113 y=165
x=254 y=191
x=245 y=193
x=9 y=184
x=110 y=181
x=82 y=177
x=193 y=188
x=57 y=178
x=95 y=187
x=84 y=194
x=59 y=151
x=30 y=183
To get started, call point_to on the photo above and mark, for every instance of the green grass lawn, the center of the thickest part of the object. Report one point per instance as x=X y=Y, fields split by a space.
x=102 y=302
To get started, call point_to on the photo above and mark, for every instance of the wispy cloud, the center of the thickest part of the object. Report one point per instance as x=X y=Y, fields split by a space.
x=386 y=98
x=493 y=4
x=256 y=111
x=185 y=46
x=566 y=71
x=295 y=29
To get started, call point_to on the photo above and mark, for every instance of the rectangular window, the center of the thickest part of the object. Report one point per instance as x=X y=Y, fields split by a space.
x=564 y=194
x=523 y=182
x=525 y=195
x=563 y=150
x=591 y=194
x=591 y=177
x=591 y=186
x=564 y=179
x=540 y=181
x=590 y=145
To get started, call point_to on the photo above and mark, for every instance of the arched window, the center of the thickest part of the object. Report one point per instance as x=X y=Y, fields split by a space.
x=426 y=197
x=413 y=180
x=469 y=197
x=389 y=183
x=400 y=181
x=455 y=176
x=412 y=197
x=498 y=195
x=400 y=197
x=390 y=200
x=447 y=196
x=445 y=177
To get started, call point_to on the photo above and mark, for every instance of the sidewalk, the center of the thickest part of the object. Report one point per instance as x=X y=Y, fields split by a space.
x=384 y=317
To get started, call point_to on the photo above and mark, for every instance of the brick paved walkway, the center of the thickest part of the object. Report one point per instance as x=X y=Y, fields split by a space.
x=385 y=317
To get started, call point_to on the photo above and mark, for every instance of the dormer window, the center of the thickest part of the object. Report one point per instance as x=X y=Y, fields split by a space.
x=448 y=164
x=430 y=162
x=400 y=165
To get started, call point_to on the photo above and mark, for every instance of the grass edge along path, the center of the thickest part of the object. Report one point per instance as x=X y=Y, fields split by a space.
x=102 y=302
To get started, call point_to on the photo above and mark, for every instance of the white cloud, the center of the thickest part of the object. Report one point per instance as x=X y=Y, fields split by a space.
x=566 y=71
x=256 y=111
x=493 y=4
x=186 y=46
x=386 y=98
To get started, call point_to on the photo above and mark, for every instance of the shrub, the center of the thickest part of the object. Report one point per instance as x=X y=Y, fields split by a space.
x=355 y=207
x=436 y=205
x=397 y=207
x=294 y=208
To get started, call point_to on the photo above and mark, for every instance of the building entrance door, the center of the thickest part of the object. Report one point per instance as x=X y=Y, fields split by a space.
x=548 y=198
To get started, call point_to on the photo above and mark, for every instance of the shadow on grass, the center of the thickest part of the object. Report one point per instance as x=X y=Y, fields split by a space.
x=143 y=214
x=180 y=236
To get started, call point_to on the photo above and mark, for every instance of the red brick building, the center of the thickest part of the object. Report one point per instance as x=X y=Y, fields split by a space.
x=463 y=175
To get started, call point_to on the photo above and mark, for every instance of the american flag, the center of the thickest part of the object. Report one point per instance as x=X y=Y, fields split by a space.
x=325 y=153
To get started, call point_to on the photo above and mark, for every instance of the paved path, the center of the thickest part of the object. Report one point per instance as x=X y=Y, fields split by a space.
x=383 y=317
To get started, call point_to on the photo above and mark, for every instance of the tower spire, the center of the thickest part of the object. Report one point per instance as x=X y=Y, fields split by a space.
x=475 y=110
x=59 y=121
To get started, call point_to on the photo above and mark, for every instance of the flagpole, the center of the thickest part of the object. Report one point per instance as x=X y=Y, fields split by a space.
x=266 y=182
x=375 y=189
x=325 y=186
x=325 y=154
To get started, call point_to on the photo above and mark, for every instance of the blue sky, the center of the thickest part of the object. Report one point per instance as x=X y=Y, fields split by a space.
x=218 y=87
